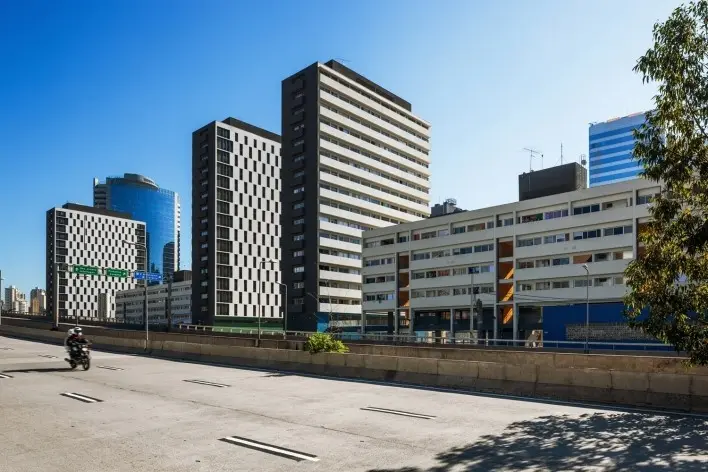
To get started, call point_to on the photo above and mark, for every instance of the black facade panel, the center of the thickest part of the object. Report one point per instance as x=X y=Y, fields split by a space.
x=552 y=181
x=304 y=82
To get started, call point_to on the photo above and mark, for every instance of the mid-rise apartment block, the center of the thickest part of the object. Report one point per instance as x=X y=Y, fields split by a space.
x=531 y=263
x=611 y=152
x=15 y=300
x=79 y=235
x=169 y=302
x=355 y=157
x=235 y=223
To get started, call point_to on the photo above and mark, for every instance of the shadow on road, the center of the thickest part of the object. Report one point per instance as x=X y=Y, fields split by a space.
x=601 y=441
x=46 y=369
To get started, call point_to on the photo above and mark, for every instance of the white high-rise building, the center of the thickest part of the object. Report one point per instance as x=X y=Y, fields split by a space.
x=80 y=237
x=235 y=224
x=355 y=158
x=15 y=300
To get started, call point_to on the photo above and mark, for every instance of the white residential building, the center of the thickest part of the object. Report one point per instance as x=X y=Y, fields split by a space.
x=130 y=304
x=235 y=223
x=355 y=157
x=15 y=300
x=519 y=257
x=80 y=236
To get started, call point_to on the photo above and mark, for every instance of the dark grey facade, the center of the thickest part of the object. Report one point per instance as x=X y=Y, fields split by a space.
x=300 y=105
x=552 y=181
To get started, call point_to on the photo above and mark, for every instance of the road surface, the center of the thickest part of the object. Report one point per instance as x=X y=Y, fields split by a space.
x=133 y=413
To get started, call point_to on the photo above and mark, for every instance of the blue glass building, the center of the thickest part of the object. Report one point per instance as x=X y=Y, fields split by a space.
x=611 y=150
x=158 y=208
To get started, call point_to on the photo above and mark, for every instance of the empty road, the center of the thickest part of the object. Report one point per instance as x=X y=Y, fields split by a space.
x=133 y=413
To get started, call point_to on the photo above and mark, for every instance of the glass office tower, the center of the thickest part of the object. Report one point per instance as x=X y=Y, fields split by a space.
x=157 y=207
x=611 y=150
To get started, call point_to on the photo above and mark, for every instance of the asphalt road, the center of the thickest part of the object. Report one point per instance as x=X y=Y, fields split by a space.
x=146 y=414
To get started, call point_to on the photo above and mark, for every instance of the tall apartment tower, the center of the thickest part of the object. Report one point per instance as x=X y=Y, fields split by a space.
x=79 y=235
x=355 y=158
x=235 y=224
x=611 y=150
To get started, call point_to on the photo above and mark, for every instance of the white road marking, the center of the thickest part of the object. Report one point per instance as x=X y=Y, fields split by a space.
x=211 y=384
x=396 y=412
x=108 y=367
x=5 y=376
x=270 y=449
x=47 y=356
x=82 y=398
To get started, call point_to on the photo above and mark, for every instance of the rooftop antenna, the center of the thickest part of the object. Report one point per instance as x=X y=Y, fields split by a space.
x=561 y=153
x=533 y=153
x=341 y=59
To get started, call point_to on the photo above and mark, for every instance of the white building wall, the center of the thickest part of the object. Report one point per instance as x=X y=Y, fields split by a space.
x=596 y=226
x=251 y=172
x=373 y=173
x=130 y=304
x=91 y=239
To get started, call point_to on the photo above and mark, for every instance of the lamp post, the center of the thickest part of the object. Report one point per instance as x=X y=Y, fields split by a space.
x=145 y=301
x=587 y=308
x=318 y=302
x=1 y=299
x=261 y=265
x=285 y=309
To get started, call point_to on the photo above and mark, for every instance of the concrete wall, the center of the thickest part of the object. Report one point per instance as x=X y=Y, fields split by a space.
x=627 y=380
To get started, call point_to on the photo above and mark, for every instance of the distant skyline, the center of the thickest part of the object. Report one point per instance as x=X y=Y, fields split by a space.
x=104 y=88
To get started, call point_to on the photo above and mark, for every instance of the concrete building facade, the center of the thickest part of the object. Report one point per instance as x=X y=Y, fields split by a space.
x=235 y=224
x=611 y=153
x=15 y=300
x=516 y=258
x=79 y=235
x=38 y=300
x=355 y=157
x=171 y=301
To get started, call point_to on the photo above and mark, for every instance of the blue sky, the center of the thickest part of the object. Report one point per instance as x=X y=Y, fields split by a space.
x=97 y=88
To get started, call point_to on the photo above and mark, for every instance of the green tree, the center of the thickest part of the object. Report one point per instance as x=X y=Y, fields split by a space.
x=670 y=281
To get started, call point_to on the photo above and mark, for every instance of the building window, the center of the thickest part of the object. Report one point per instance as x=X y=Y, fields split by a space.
x=298 y=285
x=299 y=237
x=299 y=221
x=298 y=269
x=298 y=189
x=298 y=301
x=299 y=253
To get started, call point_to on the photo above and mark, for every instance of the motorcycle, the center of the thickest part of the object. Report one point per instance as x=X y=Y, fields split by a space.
x=80 y=354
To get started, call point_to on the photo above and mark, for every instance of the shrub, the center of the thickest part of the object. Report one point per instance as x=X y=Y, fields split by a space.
x=322 y=342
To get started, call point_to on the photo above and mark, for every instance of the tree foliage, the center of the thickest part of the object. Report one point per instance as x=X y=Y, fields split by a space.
x=670 y=281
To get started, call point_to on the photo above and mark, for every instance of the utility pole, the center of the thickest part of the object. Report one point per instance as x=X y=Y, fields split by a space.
x=1 y=299
x=472 y=302
x=168 y=304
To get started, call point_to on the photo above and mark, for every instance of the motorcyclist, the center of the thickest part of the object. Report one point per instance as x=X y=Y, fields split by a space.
x=74 y=338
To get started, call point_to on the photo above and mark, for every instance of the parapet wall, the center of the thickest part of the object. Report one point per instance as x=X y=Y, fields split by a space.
x=625 y=380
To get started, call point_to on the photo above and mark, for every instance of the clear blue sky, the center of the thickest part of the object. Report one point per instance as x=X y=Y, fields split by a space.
x=97 y=88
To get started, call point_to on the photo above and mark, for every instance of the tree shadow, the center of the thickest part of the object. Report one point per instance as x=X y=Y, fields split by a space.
x=600 y=441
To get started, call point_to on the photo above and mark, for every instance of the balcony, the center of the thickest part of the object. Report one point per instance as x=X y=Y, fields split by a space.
x=342 y=245
x=334 y=85
x=374 y=164
x=573 y=270
x=380 y=287
x=379 y=269
x=379 y=305
x=351 y=216
x=377 y=179
x=351 y=109
x=337 y=308
x=327 y=292
x=340 y=261
x=378 y=194
x=363 y=204
x=451 y=261
x=583 y=245
x=452 y=281
x=339 y=276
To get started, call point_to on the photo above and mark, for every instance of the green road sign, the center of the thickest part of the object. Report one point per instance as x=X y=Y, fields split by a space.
x=122 y=273
x=84 y=270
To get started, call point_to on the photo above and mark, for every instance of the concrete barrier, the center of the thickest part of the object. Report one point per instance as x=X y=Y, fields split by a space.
x=610 y=379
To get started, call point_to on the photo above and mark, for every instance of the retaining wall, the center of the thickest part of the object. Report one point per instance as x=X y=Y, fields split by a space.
x=626 y=380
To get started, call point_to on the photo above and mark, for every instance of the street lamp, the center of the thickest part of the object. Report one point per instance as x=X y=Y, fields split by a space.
x=587 y=307
x=145 y=302
x=285 y=310
x=261 y=265
x=1 y=305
